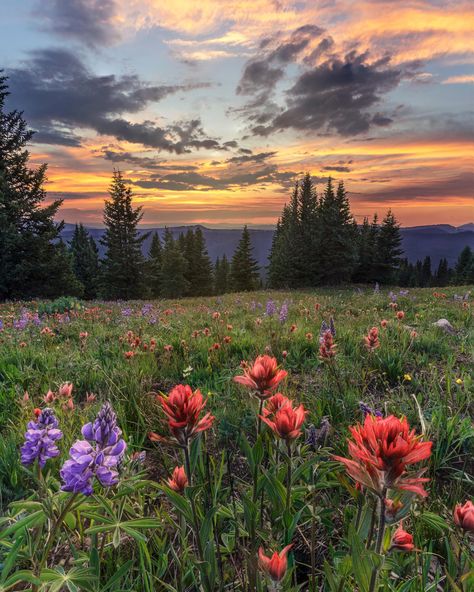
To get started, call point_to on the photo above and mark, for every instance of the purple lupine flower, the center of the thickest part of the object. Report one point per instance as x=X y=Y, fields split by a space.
x=332 y=327
x=126 y=312
x=377 y=288
x=40 y=439
x=322 y=331
x=270 y=309
x=97 y=456
x=366 y=410
x=146 y=309
x=283 y=312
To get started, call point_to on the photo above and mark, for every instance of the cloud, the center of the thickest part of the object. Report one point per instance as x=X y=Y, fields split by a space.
x=58 y=94
x=91 y=22
x=255 y=158
x=227 y=180
x=337 y=96
x=264 y=73
x=459 y=186
x=143 y=161
x=337 y=168
x=463 y=79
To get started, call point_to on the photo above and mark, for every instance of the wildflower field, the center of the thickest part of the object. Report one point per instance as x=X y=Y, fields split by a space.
x=316 y=441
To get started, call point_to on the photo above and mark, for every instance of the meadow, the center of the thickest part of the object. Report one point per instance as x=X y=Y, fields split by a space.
x=241 y=489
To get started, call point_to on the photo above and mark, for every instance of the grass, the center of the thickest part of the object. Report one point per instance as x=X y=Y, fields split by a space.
x=419 y=371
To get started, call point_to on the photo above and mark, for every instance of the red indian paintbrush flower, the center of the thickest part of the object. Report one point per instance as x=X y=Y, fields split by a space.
x=372 y=339
x=274 y=403
x=276 y=565
x=327 y=349
x=402 y=540
x=287 y=421
x=183 y=408
x=178 y=480
x=380 y=451
x=263 y=376
x=464 y=516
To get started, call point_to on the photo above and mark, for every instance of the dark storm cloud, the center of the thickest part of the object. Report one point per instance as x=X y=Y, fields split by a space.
x=88 y=21
x=57 y=92
x=338 y=95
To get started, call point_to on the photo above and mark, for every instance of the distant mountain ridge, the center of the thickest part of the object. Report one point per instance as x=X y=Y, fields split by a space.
x=437 y=241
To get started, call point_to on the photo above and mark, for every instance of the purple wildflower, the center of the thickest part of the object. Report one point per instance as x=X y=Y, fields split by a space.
x=283 y=312
x=40 y=439
x=324 y=329
x=377 y=288
x=270 y=308
x=366 y=410
x=332 y=327
x=97 y=456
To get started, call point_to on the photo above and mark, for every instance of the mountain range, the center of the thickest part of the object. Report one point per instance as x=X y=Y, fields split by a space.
x=437 y=241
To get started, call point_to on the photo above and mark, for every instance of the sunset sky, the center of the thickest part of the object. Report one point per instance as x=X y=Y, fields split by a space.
x=212 y=108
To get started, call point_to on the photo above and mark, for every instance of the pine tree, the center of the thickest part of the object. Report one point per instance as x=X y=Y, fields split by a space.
x=426 y=275
x=365 y=254
x=388 y=249
x=124 y=265
x=222 y=275
x=154 y=264
x=85 y=261
x=306 y=239
x=244 y=269
x=202 y=280
x=464 y=268
x=173 y=269
x=442 y=273
x=32 y=261
x=337 y=246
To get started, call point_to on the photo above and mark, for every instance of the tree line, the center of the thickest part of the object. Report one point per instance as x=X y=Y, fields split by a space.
x=317 y=241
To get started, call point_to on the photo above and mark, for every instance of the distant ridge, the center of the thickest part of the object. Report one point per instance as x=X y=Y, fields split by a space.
x=437 y=241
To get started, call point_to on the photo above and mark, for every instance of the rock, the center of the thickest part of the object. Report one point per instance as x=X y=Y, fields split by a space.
x=445 y=325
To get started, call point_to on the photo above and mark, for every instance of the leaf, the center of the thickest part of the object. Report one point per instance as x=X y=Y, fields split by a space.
x=110 y=585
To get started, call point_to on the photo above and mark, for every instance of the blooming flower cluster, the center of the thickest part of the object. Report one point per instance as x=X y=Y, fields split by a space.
x=97 y=456
x=381 y=450
x=40 y=439
x=183 y=408
x=262 y=377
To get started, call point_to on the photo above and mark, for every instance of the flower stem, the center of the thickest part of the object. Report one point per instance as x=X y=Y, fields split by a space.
x=380 y=534
x=187 y=463
x=56 y=525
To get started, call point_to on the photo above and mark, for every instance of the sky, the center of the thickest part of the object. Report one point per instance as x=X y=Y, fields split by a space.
x=212 y=109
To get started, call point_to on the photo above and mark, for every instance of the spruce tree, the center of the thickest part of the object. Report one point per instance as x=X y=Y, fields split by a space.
x=337 y=244
x=442 y=273
x=426 y=276
x=389 y=249
x=32 y=261
x=306 y=239
x=202 y=280
x=85 y=261
x=464 y=268
x=365 y=253
x=173 y=269
x=124 y=265
x=154 y=264
x=222 y=275
x=285 y=259
x=244 y=268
